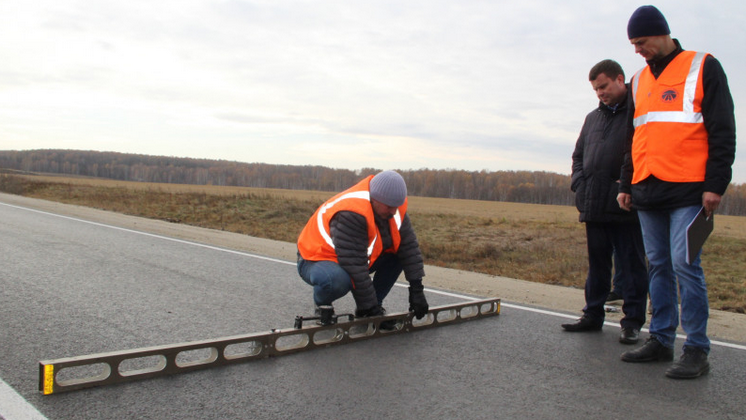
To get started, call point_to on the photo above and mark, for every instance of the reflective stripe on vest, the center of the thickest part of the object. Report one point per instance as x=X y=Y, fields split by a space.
x=670 y=140
x=315 y=242
x=687 y=114
x=365 y=195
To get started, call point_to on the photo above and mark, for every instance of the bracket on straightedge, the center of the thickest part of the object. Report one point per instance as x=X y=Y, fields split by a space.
x=73 y=373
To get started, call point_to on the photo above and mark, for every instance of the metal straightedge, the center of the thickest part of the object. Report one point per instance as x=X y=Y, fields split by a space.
x=74 y=373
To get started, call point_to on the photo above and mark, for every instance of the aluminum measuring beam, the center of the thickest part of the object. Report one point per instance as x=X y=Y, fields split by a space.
x=74 y=373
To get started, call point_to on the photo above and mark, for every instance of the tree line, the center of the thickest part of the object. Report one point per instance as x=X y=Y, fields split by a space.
x=534 y=187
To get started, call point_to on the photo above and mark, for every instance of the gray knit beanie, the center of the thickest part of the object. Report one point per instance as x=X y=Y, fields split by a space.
x=389 y=188
x=647 y=21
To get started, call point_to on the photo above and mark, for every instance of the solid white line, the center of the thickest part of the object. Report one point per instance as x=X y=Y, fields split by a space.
x=181 y=241
x=15 y=407
x=614 y=324
x=459 y=296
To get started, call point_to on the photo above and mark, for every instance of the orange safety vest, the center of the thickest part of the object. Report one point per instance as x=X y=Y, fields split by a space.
x=315 y=242
x=670 y=140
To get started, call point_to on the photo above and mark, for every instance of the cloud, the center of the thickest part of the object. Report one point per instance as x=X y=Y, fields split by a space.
x=442 y=84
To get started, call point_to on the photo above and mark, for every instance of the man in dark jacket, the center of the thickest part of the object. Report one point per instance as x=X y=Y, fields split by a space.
x=598 y=156
x=360 y=231
x=679 y=162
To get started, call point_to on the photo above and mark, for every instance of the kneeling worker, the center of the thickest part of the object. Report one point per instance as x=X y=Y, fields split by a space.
x=361 y=231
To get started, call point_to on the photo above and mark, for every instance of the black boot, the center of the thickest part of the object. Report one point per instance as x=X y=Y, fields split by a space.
x=692 y=364
x=651 y=351
x=325 y=313
x=389 y=325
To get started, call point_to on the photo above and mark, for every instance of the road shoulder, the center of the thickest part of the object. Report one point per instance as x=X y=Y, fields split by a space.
x=725 y=326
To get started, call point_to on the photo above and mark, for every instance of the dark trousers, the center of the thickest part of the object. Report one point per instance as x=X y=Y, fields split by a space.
x=624 y=239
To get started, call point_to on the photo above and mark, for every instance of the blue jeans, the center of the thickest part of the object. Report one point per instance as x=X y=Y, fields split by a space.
x=664 y=233
x=330 y=281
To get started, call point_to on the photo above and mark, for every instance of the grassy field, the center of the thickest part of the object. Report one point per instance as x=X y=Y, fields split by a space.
x=538 y=243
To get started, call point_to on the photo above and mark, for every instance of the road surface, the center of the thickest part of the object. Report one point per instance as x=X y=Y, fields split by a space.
x=72 y=287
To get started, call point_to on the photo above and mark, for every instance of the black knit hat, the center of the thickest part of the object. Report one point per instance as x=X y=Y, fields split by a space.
x=647 y=21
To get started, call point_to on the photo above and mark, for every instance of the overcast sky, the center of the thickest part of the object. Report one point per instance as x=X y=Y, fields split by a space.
x=495 y=85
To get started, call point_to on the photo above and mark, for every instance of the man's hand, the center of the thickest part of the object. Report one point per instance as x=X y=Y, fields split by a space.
x=417 y=302
x=710 y=201
x=625 y=201
x=365 y=313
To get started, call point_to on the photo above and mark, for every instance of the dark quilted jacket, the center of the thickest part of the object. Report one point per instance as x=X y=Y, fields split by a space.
x=597 y=162
x=349 y=232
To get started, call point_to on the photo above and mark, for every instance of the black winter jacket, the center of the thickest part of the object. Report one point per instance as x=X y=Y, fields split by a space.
x=349 y=232
x=596 y=164
x=719 y=118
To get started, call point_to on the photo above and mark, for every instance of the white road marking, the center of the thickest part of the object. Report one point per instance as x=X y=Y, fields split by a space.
x=15 y=407
x=21 y=409
x=261 y=257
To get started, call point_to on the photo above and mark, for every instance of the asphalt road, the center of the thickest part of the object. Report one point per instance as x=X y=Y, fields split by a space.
x=73 y=287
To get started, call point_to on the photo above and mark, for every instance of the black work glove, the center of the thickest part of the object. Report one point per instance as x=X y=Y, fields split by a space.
x=365 y=313
x=417 y=302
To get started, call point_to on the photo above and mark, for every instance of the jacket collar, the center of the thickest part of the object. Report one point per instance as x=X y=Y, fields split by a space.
x=657 y=66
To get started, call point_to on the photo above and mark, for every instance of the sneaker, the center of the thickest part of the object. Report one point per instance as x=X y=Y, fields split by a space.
x=613 y=296
x=651 y=351
x=692 y=364
x=583 y=324
x=629 y=336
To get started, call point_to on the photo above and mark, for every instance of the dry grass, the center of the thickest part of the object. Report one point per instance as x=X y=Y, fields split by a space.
x=543 y=251
x=538 y=243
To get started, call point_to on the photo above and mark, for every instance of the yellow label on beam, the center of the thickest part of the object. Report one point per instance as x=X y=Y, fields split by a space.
x=48 y=379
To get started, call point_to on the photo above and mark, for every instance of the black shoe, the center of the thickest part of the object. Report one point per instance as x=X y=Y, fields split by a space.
x=583 y=324
x=325 y=313
x=389 y=325
x=629 y=336
x=651 y=351
x=613 y=296
x=692 y=364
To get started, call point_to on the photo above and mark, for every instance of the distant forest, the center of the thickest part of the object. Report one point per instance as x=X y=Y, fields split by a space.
x=510 y=186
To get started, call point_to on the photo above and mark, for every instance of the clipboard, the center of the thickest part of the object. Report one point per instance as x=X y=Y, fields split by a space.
x=696 y=234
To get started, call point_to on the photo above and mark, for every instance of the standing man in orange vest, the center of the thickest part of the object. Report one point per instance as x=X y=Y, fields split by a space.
x=679 y=162
x=360 y=231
